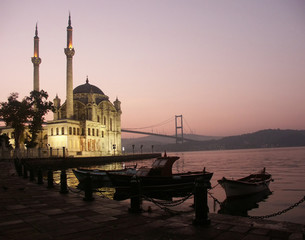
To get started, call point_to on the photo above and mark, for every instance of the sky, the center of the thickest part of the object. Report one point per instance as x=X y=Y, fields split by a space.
x=228 y=66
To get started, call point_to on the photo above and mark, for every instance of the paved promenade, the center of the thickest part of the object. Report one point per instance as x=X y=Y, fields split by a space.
x=31 y=211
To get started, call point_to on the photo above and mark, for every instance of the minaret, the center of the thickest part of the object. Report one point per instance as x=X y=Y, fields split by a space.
x=36 y=61
x=56 y=103
x=69 y=51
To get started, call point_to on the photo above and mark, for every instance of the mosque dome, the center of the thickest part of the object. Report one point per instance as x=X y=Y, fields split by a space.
x=87 y=88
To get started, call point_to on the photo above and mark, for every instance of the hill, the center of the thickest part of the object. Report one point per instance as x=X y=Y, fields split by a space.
x=158 y=142
x=262 y=139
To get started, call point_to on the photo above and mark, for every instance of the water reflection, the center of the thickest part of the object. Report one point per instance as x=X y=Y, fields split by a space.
x=241 y=206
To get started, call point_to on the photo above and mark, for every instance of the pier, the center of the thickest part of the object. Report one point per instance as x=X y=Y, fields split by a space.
x=32 y=211
x=58 y=163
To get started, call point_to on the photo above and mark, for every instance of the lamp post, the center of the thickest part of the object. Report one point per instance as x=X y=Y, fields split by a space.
x=133 y=148
x=141 y=147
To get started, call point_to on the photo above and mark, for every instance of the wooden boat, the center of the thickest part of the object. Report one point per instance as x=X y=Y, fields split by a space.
x=100 y=177
x=159 y=175
x=251 y=184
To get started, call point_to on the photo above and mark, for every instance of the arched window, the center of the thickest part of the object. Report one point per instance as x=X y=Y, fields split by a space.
x=77 y=131
x=105 y=121
x=110 y=124
x=93 y=132
x=70 y=130
x=102 y=134
x=89 y=133
x=98 y=118
x=97 y=132
x=57 y=131
x=63 y=131
x=51 y=131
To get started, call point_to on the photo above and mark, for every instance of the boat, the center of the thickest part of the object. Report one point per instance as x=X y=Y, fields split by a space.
x=159 y=176
x=99 y=177
x=254 y=183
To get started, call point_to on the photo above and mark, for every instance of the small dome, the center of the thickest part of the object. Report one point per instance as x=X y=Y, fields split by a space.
x=87 y=88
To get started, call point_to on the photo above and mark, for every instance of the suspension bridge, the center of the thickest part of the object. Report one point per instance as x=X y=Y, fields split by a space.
x=179 y=131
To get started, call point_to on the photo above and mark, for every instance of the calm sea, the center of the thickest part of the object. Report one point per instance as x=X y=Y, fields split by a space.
x=287 y=166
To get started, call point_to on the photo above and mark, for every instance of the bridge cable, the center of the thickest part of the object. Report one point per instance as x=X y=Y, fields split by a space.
x=191 y=131
x=156 y=125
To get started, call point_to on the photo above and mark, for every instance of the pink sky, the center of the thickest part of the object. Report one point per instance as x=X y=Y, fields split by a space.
x=230 y=67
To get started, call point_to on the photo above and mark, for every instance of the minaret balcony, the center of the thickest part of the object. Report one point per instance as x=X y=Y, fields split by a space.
x=69 y=52
x=36 y=61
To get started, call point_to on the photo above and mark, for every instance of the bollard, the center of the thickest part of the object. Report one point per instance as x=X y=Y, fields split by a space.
x=16 y=164
x=135 y=198
x=88 y=188
x=50 y=179
x=63 y=152
x=25 y=171
x=201 y=202
x=32 y=177
x=51 y=149
x=18 y=167
x=63 y=182
x=39 y=176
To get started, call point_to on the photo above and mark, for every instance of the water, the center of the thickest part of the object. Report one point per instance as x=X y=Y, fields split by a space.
x=287 y=166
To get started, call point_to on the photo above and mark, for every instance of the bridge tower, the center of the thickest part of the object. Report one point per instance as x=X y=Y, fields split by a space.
x=179 y=128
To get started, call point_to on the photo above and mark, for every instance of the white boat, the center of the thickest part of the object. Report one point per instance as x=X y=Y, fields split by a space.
x=251 y=184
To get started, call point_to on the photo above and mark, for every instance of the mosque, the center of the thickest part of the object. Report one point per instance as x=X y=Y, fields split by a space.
x=87 y=123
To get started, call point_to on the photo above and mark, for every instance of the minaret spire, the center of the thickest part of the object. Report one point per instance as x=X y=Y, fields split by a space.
x=69 y=33
x=69 y=51
x=69 y=22
x=36 y=61
x=36 y=31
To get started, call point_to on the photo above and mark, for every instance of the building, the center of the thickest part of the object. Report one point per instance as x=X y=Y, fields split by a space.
x=87 y=123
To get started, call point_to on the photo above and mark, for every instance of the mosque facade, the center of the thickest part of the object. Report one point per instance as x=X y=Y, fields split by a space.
x=87 y=123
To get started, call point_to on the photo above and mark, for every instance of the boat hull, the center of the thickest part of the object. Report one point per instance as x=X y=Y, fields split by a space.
x=99 y=178
x=150 y=181
x=246 y=186
x=236 y=189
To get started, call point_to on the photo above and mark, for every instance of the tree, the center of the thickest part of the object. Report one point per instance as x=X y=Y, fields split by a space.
x=39 y=107
x=16 y=114
x=5 y=141
x=30 y=110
